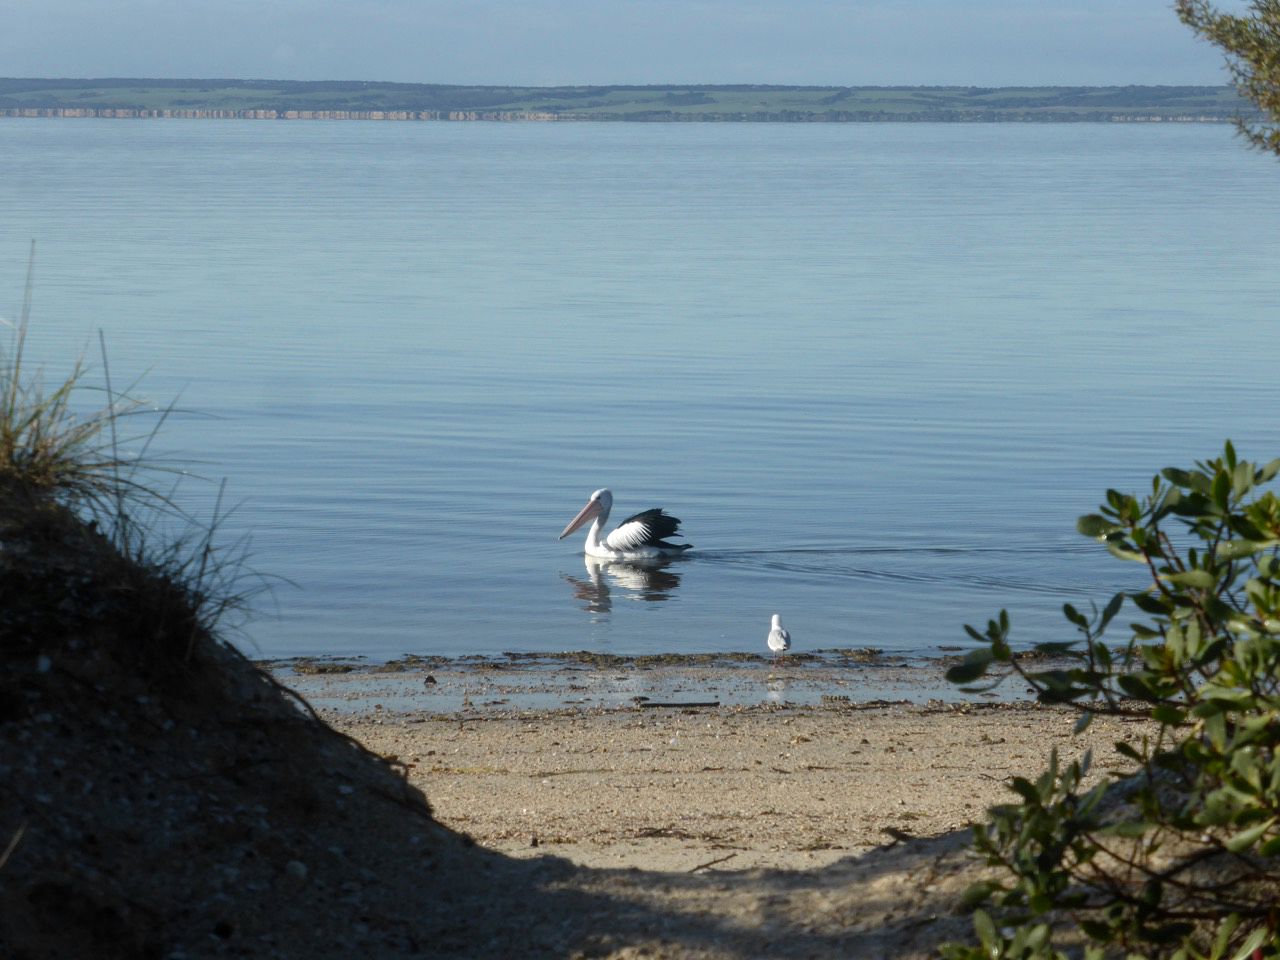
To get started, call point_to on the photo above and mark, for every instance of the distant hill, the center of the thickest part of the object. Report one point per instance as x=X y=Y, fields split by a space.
x=293 y=99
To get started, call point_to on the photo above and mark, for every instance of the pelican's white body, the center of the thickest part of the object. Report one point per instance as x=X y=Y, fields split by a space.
x=779 y=639
x=636 y=538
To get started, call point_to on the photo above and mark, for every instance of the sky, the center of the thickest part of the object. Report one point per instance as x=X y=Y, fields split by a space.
x=553 y=42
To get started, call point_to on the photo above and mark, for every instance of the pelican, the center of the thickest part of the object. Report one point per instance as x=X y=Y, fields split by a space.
x=779 y=639
x=636 y=538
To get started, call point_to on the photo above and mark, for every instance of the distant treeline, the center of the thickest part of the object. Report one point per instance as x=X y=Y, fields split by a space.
x=341 y=100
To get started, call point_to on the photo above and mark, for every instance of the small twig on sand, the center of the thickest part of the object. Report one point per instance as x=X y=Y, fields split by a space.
x=13 y=845
x=712 y=863
x=651 y=705
x=462 y=711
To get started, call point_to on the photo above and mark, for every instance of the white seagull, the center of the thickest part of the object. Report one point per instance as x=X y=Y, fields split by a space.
x=779 y=639
x=637 y=538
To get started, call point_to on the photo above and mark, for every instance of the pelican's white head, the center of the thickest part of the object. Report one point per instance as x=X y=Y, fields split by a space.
x=599 y=505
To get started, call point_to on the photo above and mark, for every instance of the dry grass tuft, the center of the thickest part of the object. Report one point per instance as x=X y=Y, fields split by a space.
x=87 y=539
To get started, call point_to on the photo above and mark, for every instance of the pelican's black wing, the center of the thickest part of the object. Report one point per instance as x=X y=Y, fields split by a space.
x=648 y=529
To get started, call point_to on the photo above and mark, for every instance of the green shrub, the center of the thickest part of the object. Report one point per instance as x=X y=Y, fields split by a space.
x=1180 y=858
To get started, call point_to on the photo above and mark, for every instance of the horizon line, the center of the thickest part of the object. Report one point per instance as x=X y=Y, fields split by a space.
x=637 y=86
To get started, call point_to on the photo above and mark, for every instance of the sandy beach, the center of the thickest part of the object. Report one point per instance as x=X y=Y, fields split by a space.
x=709 y=809
x=581 y=806
x=794 y=768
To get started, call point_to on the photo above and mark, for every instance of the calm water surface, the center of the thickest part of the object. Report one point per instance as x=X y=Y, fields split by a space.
x=878 y=370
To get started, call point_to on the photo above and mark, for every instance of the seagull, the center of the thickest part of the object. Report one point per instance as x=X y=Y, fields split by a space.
x=779 y=639
x=637 y=538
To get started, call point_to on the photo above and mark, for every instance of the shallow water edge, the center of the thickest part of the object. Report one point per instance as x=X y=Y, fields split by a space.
x=583 y=681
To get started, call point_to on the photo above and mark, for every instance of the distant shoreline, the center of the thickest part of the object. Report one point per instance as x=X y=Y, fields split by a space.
x=507 y=116
x=732 y=103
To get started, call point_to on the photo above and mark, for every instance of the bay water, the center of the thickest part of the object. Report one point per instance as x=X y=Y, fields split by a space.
x=877 y=370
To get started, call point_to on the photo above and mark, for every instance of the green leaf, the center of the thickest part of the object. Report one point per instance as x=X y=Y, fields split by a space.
x=1235 y=549
x=985 y=928
x=1024 y=788
x=1167 y=503
x=975 y=665
x=1196 y=579
x=1221 y=489
x=1270 y=847
x=1150 y=603
x=1096 y=929
x=1124 y=553
x=1242 y=478
x=1041 y=903
x=1193 y=505
x=1245 y=526
x=1256 y=939
x=1097 y=526
x=1267 y=473
x=1035 y=938
x=1112 y=608
x=964 y=673
x=1060 y=686
x=1225 y=929
x=977 y=893
x=1169 y=716
x=1247 y=838
x=1178 y=477
x=1230 y=695
x=1135 y=686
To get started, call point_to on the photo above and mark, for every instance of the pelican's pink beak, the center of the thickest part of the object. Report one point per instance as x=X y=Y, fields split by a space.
x=589 y=512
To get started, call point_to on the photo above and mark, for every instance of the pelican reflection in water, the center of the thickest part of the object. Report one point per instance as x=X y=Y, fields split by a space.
x=633 y=579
